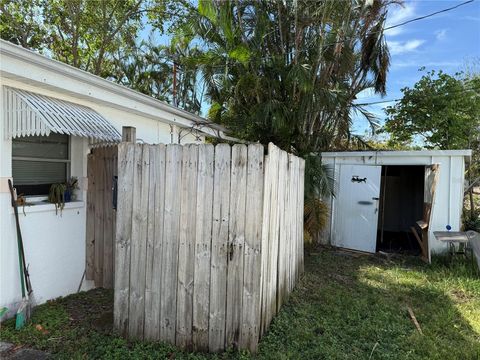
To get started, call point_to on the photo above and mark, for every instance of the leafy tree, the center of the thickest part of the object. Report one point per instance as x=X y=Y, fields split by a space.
x=441 y=111
x=20 y=23
x=85 y=33
x=102 y=37
x=147 y=68
x=289 y=72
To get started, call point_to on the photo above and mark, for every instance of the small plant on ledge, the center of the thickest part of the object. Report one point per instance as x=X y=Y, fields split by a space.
x=72 y=185
x=56 y=196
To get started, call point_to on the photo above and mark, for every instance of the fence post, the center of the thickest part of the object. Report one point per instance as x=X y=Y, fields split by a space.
x=129 y=134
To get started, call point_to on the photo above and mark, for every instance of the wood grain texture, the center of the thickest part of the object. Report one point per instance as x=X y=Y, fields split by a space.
x=108 y=232
x=90 y=221
x=99 y=215
x=300 y=192
x=171 y=237
x=250 y=311
x=123 y=237
x=236 y=243
x=209 y=242
x=186 y=250
x=139 y=242
x=267 y=194
x=218 y=281
x=273 y=236
x=282 y=226
x=114 y=212
x=152 y=273
x=203 y=243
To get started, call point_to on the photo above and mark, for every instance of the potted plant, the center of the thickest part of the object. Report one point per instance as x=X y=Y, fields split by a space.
x=61 y=193
x=56 y=195
x=71 y=186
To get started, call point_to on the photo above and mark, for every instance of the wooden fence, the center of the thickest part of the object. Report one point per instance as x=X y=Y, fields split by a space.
x=101 y=217
x=209 y=242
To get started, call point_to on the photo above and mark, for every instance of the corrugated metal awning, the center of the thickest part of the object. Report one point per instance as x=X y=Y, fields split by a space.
x=28 y=113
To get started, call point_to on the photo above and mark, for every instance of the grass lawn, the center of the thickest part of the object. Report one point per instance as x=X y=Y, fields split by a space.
x=345 y=307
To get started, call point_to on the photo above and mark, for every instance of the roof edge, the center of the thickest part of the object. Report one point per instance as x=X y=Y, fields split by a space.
x=397 y=153
x=29 y=56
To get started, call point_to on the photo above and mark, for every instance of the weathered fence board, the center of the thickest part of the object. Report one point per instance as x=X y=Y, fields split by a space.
x=209 y=242
x=203 y=242
x=236 y=242
x=186 y=251
x=138 y=247
x=250 y=311
x=273 y=234
x=171 y=236
x=90 y=228
x=267 y=193
x=154 y=242
x=126 y=156
x=218 y=272
x=101 y=217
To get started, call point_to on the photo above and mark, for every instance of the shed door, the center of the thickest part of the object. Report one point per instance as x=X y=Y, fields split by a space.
x=357 y=201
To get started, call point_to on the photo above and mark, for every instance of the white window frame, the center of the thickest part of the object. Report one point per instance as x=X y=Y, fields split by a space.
x=35 y=159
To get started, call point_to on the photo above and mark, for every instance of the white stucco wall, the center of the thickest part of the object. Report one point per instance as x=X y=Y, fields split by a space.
x=448 y=201
x=55 y=244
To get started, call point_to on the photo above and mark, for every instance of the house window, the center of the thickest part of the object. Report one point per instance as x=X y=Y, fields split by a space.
x=40 y=161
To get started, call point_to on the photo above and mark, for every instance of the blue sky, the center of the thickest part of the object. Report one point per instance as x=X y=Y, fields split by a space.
x=446 y=41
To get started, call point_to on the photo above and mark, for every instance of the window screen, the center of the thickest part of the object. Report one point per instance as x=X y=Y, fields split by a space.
x=38 y=162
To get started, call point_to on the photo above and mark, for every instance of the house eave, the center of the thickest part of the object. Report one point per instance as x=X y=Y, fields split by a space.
x=181 y=118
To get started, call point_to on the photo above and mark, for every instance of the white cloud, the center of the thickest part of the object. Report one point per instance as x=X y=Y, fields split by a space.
x=365 y=94
x=397 y=15
x=402 y=47
x=428 y=64
x=441 y=34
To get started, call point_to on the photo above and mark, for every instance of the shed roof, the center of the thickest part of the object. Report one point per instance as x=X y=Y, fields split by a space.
x=404 y=153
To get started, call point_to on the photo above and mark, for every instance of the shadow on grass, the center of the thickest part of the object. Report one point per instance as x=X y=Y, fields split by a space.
x=345 y=307
x=352 y=306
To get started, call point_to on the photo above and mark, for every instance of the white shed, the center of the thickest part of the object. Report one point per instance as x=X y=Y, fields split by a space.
x=394 y=200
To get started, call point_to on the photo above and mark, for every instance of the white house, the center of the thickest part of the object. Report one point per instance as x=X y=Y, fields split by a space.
x=51 y=115
x=382 y=198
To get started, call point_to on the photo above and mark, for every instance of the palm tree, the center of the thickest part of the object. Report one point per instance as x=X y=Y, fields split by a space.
x=289 y=71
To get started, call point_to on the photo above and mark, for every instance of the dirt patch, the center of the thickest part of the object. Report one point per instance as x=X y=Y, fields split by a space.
x=460 y=296
x=92 y=308
x=341 y=278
